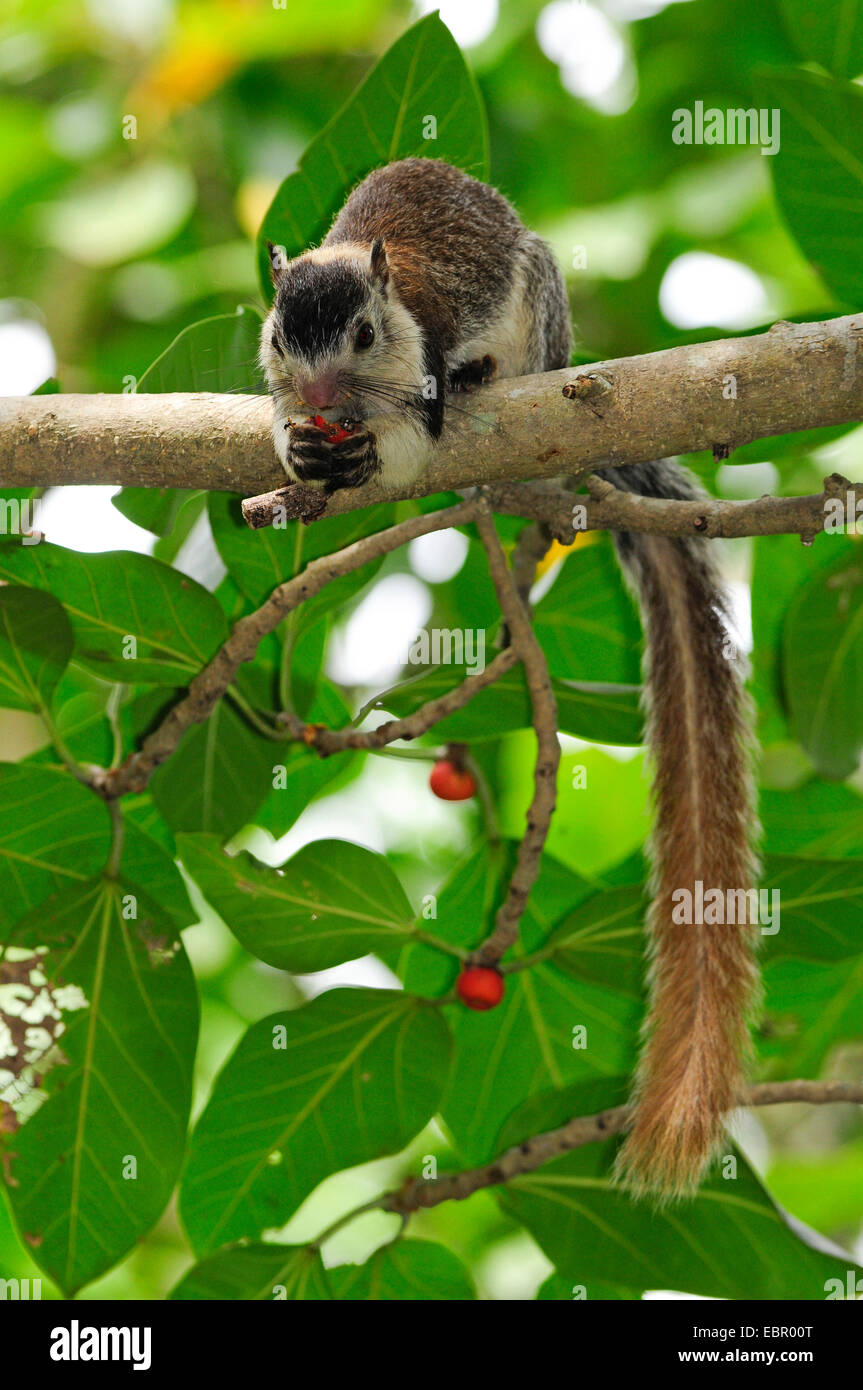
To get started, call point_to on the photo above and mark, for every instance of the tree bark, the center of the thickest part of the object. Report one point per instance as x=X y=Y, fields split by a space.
x=723 y=393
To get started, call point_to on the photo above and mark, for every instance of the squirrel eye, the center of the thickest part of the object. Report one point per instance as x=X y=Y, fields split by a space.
x=275 y=342
x=365 y=335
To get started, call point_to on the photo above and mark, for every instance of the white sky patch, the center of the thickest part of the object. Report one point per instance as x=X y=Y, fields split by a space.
x=700 y=290
x=469 y=21
x=80 y=127
x=438 y=556
x=373 y=646
x=140 y=21
x=747 y=479
x=389 y=806
x=591 y=54
x=740 y=613
x=366 y=972
x=626 y=10
x=82 y=518
x=26 y=357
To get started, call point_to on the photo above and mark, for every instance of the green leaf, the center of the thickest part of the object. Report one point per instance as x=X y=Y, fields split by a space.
x=820 y=908
x=351 y=1076
x=525 y=1045
x=818 y=914
x=831 y=34
x=306 y=773
x=93 y=1168
x=602 y=803
x=332 y=902
x=587 y=623
x=36 y=641
x=560 y=1290
x=146 y=866
x=117 y=595
x=259 y=560
x=818 y=172
x=463 y=904
x=808 y=1013
x=821 y=1188
x=384 y=120
x=781 y=565
x=154 y=508
x=54 y=834
x=81 y=714
x=215 y=354
x=728 y=1242
x=603 y=939
x=415 y=1270
x=257 y=1272
x=822 y=655
x=140 y=809
x=600 y=713
x=192 y=508
x=219 y=774
x=819 y=819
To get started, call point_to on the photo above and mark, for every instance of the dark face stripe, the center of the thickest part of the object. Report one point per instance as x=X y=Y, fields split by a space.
x=316 y=303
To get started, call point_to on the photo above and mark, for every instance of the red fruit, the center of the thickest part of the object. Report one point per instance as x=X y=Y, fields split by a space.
x=451 y=783
x=335 y=433
x=480 y=987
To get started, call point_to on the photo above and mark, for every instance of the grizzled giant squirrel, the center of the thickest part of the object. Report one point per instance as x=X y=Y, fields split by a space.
x=428 y=282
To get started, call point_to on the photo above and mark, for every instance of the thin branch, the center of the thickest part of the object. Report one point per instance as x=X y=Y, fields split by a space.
x=544 y=707
x=530 y=548
x=727 y=392
x=608 y=508
x=326 y=741
x=209 y=685
x=589 y=1129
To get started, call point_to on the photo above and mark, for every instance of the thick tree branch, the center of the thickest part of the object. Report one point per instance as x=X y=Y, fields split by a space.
x=796 y=376
x=589 y=1129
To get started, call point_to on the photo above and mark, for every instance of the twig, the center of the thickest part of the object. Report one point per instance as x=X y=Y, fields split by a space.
x=207 y=688
x=530 y=548
x=589 y=1129
x=544 y=709
x=607 y=508
x=326 y=741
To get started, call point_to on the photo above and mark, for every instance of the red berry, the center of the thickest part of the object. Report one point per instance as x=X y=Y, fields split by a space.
x=451 y=783
x=480 y=987
x=335 y=433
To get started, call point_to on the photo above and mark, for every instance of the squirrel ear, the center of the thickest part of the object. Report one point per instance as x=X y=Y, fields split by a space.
x=278 y=261
x=379 y=268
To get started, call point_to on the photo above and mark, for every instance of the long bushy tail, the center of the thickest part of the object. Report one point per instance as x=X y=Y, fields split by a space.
x=703 y=978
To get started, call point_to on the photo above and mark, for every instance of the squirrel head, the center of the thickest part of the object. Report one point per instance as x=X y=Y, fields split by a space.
x=337 y=337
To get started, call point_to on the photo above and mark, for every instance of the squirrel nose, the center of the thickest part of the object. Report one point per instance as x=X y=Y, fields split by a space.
x=320 y=392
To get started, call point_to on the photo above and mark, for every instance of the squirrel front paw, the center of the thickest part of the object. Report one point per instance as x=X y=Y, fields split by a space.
x=331 y=456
